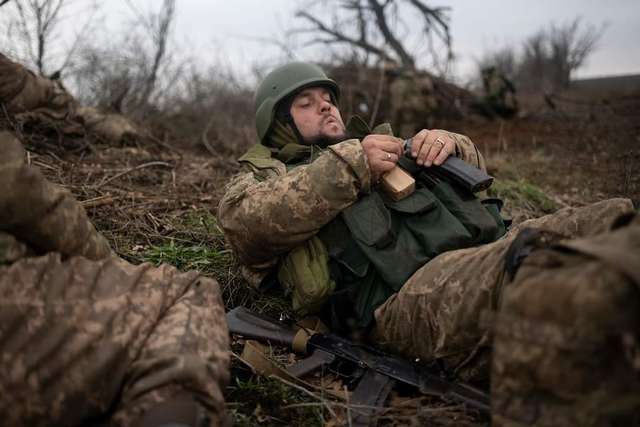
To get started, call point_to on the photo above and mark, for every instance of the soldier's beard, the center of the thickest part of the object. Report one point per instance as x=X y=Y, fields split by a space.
x=326 y=140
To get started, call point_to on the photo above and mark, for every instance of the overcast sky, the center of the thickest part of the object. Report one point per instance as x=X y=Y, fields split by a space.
x=231 y=27
x=233 y=32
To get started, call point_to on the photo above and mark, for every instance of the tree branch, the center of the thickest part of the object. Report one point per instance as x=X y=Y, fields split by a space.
x=381 y=20
x=343 y=38
x=438 y=15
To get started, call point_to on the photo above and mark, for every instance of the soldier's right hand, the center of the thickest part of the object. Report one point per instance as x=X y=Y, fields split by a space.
x=383 y=152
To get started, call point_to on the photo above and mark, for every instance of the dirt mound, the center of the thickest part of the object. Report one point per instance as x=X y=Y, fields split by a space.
x=368 y=92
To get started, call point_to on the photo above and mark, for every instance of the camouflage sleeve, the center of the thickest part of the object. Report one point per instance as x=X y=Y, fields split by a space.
x=41 y=214
x=107 y=342
x=264 y=219
x=25 y=94
x=22 y=90
x=467 y=150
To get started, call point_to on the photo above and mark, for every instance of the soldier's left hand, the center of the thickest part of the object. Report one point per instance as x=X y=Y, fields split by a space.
x=432 y=147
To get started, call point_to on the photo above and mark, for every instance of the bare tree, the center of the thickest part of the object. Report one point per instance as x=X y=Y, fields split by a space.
x=550 y=56
x=532 y=68
x=130 y=73
x=504 y=60
x=569 y=46
x=381 y=28
x=35 y=26
x=158 y=26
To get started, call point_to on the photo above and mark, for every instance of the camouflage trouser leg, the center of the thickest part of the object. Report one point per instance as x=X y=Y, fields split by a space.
x=567 y=338
x=91 y=342
x=438 y=313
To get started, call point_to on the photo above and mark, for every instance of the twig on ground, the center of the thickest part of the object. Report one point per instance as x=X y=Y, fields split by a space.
x=106 y=199
x=43 y=165
x=163 y=144
x=135 y=168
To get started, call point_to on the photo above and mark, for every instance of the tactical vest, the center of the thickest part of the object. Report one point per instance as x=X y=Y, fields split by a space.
x=376 y=244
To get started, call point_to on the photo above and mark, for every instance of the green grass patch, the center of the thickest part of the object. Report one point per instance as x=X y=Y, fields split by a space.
x=186 y=256
x=192 y=241
x=520 y=194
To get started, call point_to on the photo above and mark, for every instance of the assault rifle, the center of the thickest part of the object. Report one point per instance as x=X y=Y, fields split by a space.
x=373 y=372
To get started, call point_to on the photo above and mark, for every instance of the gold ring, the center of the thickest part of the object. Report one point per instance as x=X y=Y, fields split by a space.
x=439 y=141
x=388 y=156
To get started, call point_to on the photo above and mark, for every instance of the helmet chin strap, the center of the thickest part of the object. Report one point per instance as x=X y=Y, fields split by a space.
x=284 y=115
x=288 y=119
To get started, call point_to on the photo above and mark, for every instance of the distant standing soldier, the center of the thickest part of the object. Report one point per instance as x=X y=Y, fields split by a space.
x=499 y=95
x=87 y=338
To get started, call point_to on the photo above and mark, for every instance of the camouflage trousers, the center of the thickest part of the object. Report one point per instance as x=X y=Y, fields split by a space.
x=445 y=309
x=567 y=338
x=103 y=342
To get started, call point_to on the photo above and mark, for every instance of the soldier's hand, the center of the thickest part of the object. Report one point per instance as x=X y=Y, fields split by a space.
x=432 y=147
x=383 y=152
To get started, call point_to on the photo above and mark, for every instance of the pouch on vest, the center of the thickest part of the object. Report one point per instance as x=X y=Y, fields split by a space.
x=305 y=272
x=359 y=288
x=467 y=208
x=399 y=237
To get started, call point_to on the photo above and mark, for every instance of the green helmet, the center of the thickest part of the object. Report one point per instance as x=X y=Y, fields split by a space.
x=282 y=82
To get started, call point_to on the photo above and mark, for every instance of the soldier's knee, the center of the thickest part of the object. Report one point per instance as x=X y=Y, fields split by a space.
x=583 y=295
x=567 y=342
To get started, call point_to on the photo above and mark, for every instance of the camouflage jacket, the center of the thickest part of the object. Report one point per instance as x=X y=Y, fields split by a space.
x=268 y=210
x=37 y=216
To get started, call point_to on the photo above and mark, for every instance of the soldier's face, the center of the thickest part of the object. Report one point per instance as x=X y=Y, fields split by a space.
x=315 y=115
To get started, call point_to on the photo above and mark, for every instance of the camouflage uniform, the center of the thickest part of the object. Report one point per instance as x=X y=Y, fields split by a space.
x=87 y=338
x=454 y=296
x=567 y=339
x=449 y=303
x=499 y=95
x=267 y=211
